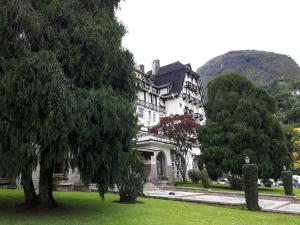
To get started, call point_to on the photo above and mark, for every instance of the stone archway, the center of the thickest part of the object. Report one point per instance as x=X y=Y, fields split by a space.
x=161 y=165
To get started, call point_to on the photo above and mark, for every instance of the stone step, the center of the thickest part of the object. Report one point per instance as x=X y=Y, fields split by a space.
x=150 y=187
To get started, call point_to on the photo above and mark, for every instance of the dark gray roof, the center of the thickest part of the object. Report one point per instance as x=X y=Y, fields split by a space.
x=174 y=74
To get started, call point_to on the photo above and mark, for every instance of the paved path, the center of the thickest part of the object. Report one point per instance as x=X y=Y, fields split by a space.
x=280 y=205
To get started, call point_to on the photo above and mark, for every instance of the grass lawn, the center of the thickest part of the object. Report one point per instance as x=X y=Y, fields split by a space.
x=87 y=209
x=221 y=187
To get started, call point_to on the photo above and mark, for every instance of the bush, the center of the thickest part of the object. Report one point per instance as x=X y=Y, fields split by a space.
x=204 y=177
x=194 y=175
x=296 y=171
x=251 y=191
x=287 y=179
x=130 y=180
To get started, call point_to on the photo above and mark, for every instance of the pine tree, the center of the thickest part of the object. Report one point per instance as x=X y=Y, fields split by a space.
x=240 y=123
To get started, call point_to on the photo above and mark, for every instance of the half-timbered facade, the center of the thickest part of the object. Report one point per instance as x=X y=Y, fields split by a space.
x=171 y=89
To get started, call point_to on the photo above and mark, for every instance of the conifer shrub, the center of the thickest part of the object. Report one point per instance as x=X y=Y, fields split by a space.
x=130 y=180
x=250 y=182
x=287 y=178
x=194 y=175
x=204 y=177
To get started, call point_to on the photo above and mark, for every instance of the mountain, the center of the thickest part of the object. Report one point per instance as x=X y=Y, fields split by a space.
x=263 y=68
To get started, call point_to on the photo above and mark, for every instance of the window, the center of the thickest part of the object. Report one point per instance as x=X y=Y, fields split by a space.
x=151 y=98
x=195 y=163
x=180 y=105
x=140 y=112
x=149 y=115
x=174 y=169
x=154 y=117
x=145 y=97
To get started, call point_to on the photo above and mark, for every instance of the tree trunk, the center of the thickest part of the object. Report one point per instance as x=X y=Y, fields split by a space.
x=31 y=199
x=183 y=176
x=183 y=171
x=46 y=183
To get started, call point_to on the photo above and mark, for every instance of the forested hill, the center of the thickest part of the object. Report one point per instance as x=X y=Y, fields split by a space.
x=261 y=67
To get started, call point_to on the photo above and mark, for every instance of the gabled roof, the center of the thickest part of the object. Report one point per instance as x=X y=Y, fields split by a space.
x=174 y=74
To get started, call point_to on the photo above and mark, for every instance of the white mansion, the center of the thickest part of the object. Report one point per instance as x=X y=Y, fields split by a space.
x=171 y=89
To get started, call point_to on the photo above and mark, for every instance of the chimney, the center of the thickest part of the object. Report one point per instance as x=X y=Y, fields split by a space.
x=141 y=68
x=155 y=66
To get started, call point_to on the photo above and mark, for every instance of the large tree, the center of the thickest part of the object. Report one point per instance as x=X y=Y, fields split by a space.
x=241 y=122
x=182 y=131
x=67 y=85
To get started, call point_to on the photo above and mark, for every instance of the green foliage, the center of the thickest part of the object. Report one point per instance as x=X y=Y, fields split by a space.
x=287 y=179
x=251 y=191
x=292 y=137
x=204 y=177
x=104 y=127
x=67 y=87
x=296 y=171
x=130 y=179
x=240 y=123
x=35 y=99
x=288 y=104
x=194 y=175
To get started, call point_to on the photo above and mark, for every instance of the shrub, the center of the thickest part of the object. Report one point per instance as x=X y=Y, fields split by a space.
x=130 y=181
x=250 y=181
x=296 y=171
x=194 y=175
x=204 y=177
x=287 y=179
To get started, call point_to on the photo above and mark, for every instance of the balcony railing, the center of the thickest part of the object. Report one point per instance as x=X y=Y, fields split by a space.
x=195 y=115
x=191 y=99
x=154 y=137
x=149 y=105
x=192 y=87
x=145 y=86
x=198 y=116
x=148 y=87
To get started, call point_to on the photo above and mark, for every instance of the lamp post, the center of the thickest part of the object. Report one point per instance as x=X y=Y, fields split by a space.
x=284 y=167
x=247 y=160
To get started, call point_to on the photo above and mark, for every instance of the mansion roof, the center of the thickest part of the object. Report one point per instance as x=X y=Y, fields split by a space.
x=172 y=74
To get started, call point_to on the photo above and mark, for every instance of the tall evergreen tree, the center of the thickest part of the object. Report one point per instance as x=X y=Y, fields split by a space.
x=240 y=123
x=62 y=63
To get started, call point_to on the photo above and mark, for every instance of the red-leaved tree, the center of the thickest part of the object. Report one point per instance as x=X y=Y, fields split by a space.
x=182 y=130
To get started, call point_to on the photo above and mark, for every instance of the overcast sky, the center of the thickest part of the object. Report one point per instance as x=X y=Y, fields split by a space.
x=194 y=31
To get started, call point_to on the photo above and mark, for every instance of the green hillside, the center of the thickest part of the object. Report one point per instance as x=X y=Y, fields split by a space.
x=261 y=67
x=278 y=74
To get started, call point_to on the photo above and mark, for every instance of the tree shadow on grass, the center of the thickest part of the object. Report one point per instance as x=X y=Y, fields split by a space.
x=68 y=206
